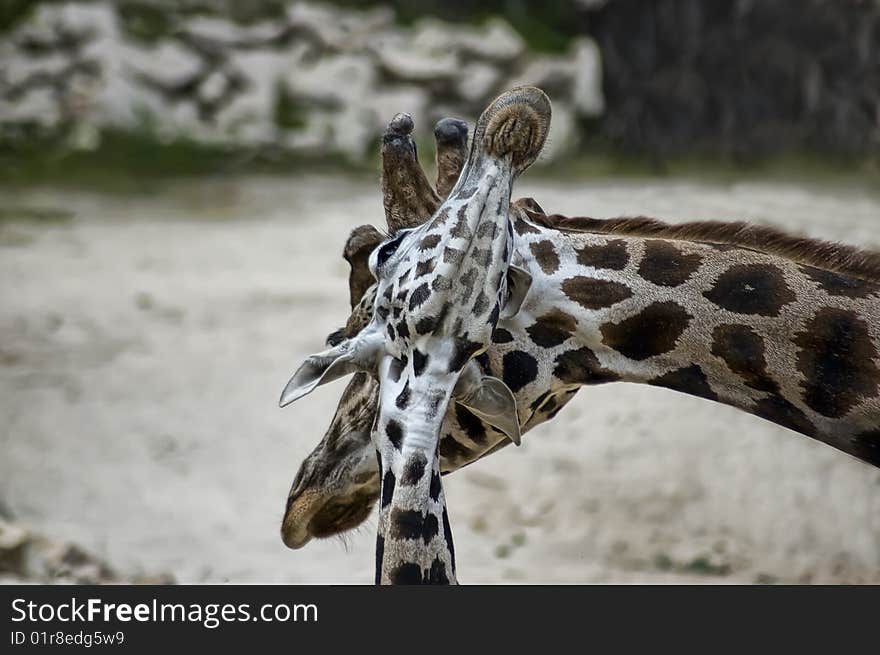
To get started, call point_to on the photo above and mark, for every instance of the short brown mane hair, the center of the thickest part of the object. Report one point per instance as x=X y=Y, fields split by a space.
x=828 y=255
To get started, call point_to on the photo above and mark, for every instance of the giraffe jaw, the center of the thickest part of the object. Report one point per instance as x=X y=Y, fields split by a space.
x=316 y=515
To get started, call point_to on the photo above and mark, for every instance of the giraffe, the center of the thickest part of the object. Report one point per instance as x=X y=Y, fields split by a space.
x=441 y=289
x=781 y=327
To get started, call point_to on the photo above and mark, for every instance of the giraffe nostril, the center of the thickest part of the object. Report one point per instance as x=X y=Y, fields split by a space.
x=516 y=124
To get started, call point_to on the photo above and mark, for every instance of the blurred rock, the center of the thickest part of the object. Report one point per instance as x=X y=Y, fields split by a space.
x=318 y=79
x=26 y=557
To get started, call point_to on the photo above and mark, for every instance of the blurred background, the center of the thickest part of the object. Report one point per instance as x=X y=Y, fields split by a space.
x=177 y=179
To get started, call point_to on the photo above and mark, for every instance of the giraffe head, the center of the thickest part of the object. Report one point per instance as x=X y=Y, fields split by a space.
x=337 y=485
x=450 y=277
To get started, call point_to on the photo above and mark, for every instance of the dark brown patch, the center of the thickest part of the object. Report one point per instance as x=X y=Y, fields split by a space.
x=487 y=229
x=425 y=267
x=866 y=446
x=653 y=331
x=742 y=349
x=552 y=328
x=430 y=528
x=481 y=304
x=388 y=484
x=452 y=255
x=415 y=469
x=437 y=573
x=461 y=230
x=426 y=324
x=440 y=219
x=406 y=523
x=482 y=256
x=518 y=369
x=453 y=451
x=836 y=358
x=395 y=433
x=836 y=284
x=778 y=410
x=666 y=265
x=447 y=537
x=441 y=283
x=467 y=282
x=380 y=555
x=420 y=360
x=751 y=289
x=522 y=227
x=472 y=426
x=434 y=489
x=403 y=330
x=592 y=293
x=404 y=277
x=545 y=254
x=611 y=255
x=582 y=367
x=690 y=380
x=402 y=400
x=396 y=368
x=463 y=350
x=419 y=296
x=406 y=574
x=500 y=335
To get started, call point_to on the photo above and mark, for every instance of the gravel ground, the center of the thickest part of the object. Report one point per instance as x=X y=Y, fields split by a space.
x=144 y=342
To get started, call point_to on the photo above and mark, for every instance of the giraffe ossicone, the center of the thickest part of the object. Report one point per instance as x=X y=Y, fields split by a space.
x=442 y=287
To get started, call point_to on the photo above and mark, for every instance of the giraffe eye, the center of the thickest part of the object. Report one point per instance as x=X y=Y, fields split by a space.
x=388 y=249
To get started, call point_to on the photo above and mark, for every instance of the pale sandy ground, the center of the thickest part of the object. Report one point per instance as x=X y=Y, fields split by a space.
x=143 y=345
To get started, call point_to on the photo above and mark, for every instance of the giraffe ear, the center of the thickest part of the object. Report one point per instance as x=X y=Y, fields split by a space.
x=489 y=399
x=360 y=353
x=519 y=281
x=494 y=402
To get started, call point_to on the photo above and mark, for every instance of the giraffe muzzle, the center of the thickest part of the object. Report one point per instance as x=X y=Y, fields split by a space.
x=516 y=124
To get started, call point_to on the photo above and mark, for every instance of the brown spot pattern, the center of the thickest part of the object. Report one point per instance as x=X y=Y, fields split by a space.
x=742 y=349
x=866 y=446
x=778 y=410
x=429 y=242
x=522 y=227
x=611 y=255
x=751 y=289
x=425 y=267
x=592 y=293
x=653 y=331
x=581 y=366
x=545 y=254
x=836 y=284
x=552 y=328
x=836 y=358
x=664 y=264
x=690 y=380
x=461 y=229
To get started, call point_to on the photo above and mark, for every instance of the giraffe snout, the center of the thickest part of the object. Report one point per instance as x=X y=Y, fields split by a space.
x=517 y=124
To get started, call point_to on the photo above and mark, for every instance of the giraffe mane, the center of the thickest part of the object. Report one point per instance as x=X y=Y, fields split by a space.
x=828 y=255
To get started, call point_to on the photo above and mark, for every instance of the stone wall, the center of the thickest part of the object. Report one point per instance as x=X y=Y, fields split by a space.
x=314 y=80
x=739 y=78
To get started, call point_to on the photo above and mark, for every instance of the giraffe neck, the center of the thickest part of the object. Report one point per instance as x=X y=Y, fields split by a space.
x=787 y=341
x=414 y=542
